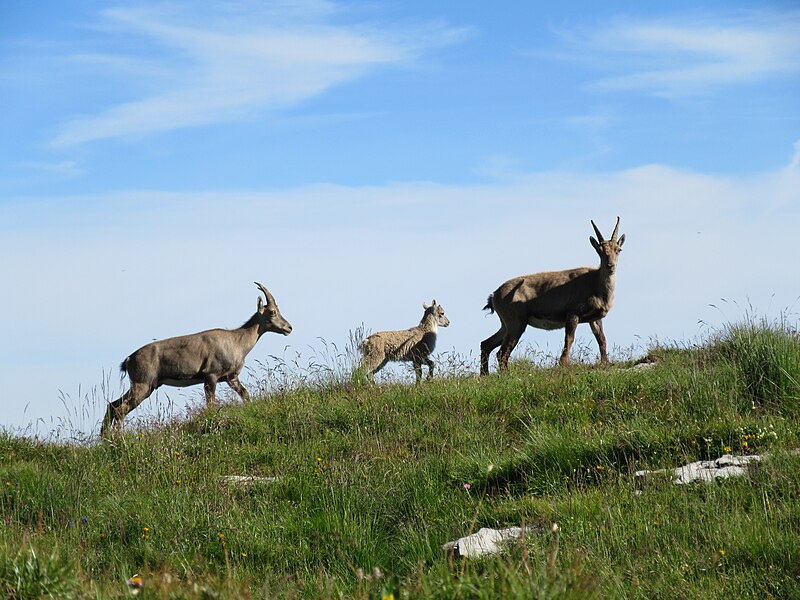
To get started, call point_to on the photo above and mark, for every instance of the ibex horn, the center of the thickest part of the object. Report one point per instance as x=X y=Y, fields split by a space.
x=270 y=299
x=600 y=237
x=616 y=229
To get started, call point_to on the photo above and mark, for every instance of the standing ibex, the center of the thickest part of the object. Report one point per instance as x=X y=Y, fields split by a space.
x=207 y=357
x=410 y=345
x=555 y=300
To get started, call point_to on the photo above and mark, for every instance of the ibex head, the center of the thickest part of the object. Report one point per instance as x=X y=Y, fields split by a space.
x=608 y=249
x=438 y=313
x=270 y=318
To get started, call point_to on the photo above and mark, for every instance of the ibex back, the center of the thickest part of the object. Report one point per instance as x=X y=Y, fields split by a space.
x=555 y=300
x=207 y=357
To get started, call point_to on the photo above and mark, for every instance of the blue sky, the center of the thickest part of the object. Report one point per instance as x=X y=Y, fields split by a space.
x=361 y=158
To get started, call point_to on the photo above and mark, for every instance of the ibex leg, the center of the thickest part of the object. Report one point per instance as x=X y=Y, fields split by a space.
x=418 y=362
x=510 y=342
x=597 y=330
x=210 y=388
x=118 y=409
x=487 y=346
x=417 y=369
x=237 y=387
x=373 y=363
x=113 y=416
x=430 y=364
x=569 y=337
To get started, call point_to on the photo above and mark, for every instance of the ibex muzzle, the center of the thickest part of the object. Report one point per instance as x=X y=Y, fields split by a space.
x=207 y=357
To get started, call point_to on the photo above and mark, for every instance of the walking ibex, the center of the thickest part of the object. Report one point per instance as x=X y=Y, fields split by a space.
x=410 y=345
x=555 y=300
x=207 y=357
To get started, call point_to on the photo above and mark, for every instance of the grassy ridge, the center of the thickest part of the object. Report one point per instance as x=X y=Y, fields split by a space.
x=372 y=480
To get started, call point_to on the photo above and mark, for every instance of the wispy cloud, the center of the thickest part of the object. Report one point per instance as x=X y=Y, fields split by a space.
x=61 y=169
x=221 y=67
x=691 y=55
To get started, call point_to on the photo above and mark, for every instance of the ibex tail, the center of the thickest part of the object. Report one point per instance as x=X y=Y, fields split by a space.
x=489 y=305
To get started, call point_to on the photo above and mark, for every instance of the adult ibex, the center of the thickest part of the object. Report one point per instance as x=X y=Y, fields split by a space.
x=411 y=345
x=207 y=357
x=555 y=300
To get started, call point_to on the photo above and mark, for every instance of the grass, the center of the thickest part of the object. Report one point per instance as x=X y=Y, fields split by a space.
x=371 y=483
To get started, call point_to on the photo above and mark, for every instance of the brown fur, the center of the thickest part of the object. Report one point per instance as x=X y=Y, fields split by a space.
x=207 y=357
x=555 y=300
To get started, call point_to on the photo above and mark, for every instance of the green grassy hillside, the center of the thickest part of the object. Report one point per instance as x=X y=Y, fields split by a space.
x=372 y=480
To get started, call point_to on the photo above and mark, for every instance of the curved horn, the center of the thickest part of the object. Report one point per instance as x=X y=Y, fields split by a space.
x=600 y=237
x=270 y=299
x=616 y=229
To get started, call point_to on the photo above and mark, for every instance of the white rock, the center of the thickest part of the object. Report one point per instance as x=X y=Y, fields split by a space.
x=643 y=366
x=483 y=543
x=246 y=479
x=725 y=466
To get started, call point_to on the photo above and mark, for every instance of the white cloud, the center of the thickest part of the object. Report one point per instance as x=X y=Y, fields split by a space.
x=794 y=164
x=220 y=67
x=95 y=276
x=683 y=57
x=60 y=169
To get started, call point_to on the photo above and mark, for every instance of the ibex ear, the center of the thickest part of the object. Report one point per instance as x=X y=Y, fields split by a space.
x=260 y=304
x=434 y=302
x=425 y=305
x=595 y=243
x=621 y=240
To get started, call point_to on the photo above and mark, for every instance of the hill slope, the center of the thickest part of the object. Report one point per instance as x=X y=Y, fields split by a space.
x=370 y=481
